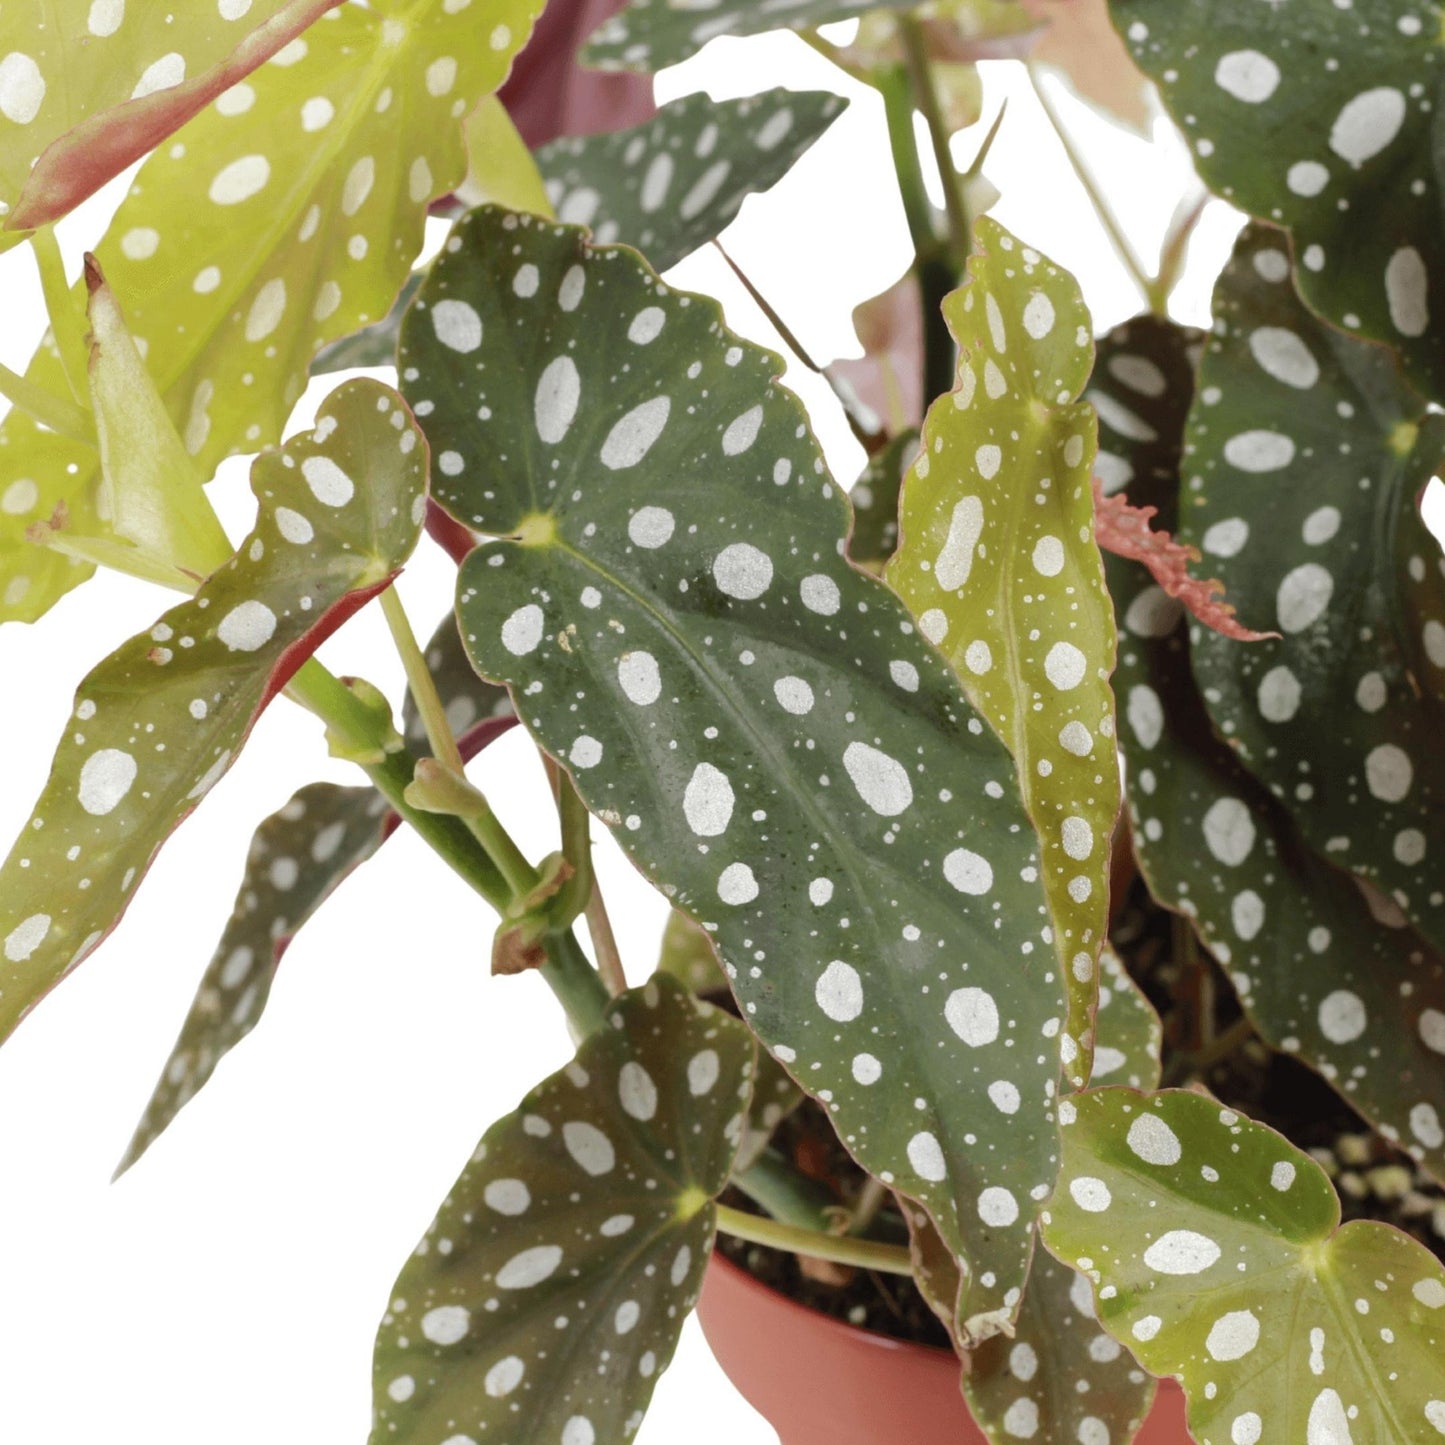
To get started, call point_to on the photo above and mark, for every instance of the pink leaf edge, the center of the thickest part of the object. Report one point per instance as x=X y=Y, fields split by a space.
x=1124 y=530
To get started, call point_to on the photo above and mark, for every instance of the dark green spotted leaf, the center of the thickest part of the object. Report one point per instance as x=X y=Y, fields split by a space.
x=688 y=955
x=671 y=184
x=1217 y=1255
x=759 y=723
x=1326 y=969
x=297 y=858
x=1304 y=460
x=1348 y=96
x=290 y=216
x=91 y=87
x=1061 y=1377
x=874 y=537
x=997 y=561
x=548 y=1293
x=159 y=721
x=652 y=34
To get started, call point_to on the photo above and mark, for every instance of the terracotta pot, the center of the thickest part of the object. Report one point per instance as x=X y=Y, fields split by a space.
x=819 y=1381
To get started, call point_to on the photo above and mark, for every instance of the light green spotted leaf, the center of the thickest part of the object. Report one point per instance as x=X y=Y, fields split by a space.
x=89 y=86
x=548 y=1294
x=159 y=721
x=1217 y=1256
x=688 y=955
x=289 y=217
x=758 y=722
x=1061 y=1377
x=671 y=184
x=874 y=537
x=1326 y=968
x=1128 y=1033
x=1304 y=460
x=1348 y=96
x=297 y=858
x=997 y=561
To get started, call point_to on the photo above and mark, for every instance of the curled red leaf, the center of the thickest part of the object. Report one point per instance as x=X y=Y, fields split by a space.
x=1124 y=530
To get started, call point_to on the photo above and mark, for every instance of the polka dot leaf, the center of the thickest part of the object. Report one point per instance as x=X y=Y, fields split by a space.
x=671 y=184
x=1217 y=1257
x=90 y=88
x=997 y=562
x=1327 y=970
x=158 y=723
x=1348 y=95
x=1058 y=1371
x=548 y=1293
x=688 y=955
x=652 y=34
x=287 y=217
x=298 y=857
x=758 y=722
x=1061 y=1377
x=1304 y=458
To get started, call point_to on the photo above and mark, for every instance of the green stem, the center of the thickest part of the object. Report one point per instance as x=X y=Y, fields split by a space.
x=925 y=96
x=421 y=682
x=1107 y=219
x=932 y=265
x=773 y=1184
x=577 y=985
x=58 y=413
x=841 y=1249
x=356 y=725
x=871 y=1198
x=67 y=318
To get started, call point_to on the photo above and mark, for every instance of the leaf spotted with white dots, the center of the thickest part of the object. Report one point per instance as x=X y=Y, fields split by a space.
x=848 y=831
x=159 y=721
x=998 y=562
x=1313 y=526
x=1215 y=1250
x=673 y=183
x=1347 y=93
x=548 y=1293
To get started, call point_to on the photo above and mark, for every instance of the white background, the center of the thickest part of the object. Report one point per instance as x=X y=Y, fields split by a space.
x=227 y=1289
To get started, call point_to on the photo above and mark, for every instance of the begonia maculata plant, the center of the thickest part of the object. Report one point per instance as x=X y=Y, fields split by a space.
x=1121 y=637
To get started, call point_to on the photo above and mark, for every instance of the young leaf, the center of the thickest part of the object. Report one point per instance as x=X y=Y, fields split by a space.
x=758 y=722
x=158 y=722
x=296 y=859
x=501 y=170
x=95 y=86
x=1060 y=1373
x=671 y=184
x=1129 y=531
x=1216 y=1248
x=1305 y=457
x=549 y=1292
x=998 y=563
x=1346 y=95
x=289 y=217
x=150 y=490
x=1326 y=970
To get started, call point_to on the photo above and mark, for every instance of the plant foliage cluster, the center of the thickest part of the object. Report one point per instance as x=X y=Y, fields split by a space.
x=870 y=749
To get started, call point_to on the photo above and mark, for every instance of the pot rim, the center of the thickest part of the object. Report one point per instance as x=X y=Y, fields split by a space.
x=829 y=1324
